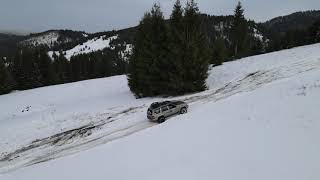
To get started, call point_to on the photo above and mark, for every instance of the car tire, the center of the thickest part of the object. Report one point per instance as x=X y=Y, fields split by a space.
x=161 y=119
x=183 y=110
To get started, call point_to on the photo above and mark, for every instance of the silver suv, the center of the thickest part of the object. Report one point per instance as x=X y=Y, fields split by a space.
x=159 y=111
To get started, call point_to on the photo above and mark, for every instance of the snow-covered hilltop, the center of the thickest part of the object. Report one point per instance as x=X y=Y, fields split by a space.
x=48 y=39
x=92 y=45
x=258 y=120
x=52 y=38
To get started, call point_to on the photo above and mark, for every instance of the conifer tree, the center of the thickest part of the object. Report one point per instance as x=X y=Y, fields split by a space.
x=219 y=51
x=6 y=80
x=138 y=63
x=146 y=77
x=48 y=76
x=176 y=19
x=61 y=68
x=176 y=50
x=314 y=32
x=197 y=54
x=239 y=32
x=26 y=71
x=169 y=60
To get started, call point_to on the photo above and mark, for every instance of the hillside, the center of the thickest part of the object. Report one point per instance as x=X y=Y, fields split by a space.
x=66 y=40
x=294 y=21
x=63 y=56
x=212 y=26
x=54 y=39
x=270 y=134
x=8 y=44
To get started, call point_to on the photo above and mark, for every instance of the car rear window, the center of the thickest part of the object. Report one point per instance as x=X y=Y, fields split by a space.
x=158 y=104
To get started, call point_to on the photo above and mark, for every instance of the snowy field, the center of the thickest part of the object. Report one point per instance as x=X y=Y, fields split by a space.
x=259 y=119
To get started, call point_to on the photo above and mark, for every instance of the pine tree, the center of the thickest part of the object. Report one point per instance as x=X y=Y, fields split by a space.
x=219 y=51
x=176 y=19
x=6 y=80
x=314 y=32
x=176 y=50
x=138 y=61
x=169 y=60
x=26 y=71
x=146 y=77
x=197 y=54
x=75 y=68
x=48 y=76
x=239 y=32
x=61 y=68
x=158 y=79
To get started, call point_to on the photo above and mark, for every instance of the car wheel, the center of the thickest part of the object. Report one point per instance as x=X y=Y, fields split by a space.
x=183 y=110
x=161 y=119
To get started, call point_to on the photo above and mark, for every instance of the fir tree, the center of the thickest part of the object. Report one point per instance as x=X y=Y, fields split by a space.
x=61 y=68
x=176 y=50
x=314 y=32
x=176 y=19
x=26 y=71
x=48 y=76
x=219 y=51
x=169 y=61
x=6 y=81
x=197 y=54
x=239 y=32
x=146 y=76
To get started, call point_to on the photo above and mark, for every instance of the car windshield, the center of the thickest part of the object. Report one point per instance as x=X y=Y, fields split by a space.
x=158 y=104
x=157 y=111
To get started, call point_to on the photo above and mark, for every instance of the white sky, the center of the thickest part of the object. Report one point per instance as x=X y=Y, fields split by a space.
x=100 y=15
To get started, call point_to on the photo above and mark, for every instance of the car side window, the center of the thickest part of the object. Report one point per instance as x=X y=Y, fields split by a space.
x=157 y=111
x=171 y=106
x=164 y=108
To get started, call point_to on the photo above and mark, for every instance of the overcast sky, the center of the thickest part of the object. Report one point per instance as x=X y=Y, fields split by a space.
x=100 y=15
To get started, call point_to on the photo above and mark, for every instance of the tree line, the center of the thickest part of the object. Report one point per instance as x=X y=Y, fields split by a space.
x=32 y=68
x=295 y=37
x=170 y=57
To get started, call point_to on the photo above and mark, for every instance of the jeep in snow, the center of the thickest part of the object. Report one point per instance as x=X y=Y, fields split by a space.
x=159 y=111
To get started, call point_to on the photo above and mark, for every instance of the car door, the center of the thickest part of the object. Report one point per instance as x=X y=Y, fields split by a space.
x=165 y=111
x=172 y=109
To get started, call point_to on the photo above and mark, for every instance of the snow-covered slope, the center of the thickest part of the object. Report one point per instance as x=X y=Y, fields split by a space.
x=48 y=39
x=53 y=38
x=258 y=120
x=92 y=45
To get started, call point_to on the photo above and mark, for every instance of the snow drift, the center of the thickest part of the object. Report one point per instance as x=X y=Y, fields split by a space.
x=258 y=120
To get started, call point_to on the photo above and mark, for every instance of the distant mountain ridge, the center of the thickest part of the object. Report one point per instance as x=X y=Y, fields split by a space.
x=14 y=32
x=54 y=38
x=295 y=21
x=213 y=26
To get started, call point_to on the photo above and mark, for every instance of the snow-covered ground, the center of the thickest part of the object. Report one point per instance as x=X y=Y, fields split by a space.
x=258 y=120
x=92 y=45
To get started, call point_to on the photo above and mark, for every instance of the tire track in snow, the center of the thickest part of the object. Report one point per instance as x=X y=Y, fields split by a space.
x=103 y=131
